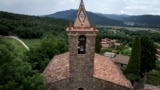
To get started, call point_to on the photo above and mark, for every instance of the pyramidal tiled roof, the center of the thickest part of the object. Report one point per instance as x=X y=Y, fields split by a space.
x=104 y=69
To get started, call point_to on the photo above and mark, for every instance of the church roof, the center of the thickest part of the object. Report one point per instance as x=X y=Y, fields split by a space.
x=57 y=69
x=104 y=69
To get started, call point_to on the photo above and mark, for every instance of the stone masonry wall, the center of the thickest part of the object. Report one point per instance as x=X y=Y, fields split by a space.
x=81 y=65
x=97 y=84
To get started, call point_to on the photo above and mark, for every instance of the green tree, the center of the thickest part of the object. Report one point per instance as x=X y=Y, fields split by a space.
x=4 y=30
x=40 y=56
x=148 y=55
x=141 y=61
x=16 y=74
x=133 y=68
x=148 y=58
x=98 y=44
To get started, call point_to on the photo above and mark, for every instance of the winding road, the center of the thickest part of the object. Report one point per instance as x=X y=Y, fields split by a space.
x=19 y=40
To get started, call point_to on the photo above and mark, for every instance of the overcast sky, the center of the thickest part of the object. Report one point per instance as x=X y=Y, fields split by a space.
x=43 y=7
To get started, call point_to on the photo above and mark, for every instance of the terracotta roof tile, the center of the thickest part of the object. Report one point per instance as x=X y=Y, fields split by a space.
x=104 y=69
x=57 y=69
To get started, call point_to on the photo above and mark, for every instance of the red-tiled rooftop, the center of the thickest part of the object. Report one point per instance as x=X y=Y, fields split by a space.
x=104 y=68
x=57 y=69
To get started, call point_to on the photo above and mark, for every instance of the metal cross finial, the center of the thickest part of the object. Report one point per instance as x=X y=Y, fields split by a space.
x=82 y=2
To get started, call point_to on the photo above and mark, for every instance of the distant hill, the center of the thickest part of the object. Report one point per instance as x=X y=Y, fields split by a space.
x=26 y=26
x=145 y=20
x=93 y=17
x=114 y=16
x=112 y=19
x=141 y=20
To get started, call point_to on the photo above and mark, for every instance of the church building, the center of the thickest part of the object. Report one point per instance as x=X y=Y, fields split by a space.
x=81 y=68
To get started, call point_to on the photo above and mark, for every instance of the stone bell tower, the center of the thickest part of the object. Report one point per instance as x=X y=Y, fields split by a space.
x=81 y=68
x=82 y=38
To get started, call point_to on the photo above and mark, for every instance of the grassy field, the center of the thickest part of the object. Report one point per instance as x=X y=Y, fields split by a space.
x=20 y=49
x=133 y=28
x=31 y=42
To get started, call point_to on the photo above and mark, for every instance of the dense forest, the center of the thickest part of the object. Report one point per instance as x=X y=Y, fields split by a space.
x=52 y=40
x=21 y=71
x=30 y=26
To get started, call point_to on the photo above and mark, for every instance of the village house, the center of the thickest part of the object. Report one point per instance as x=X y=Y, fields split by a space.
x=109 y=43
x=120 y=60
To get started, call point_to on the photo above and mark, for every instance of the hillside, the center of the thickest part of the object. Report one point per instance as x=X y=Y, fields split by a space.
x=112 y=19
x=93 y=17
x=140 y=20
x=146 y=20
x=26 y=26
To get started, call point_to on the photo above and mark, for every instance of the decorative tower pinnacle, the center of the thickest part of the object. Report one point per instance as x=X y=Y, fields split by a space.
x=81 y=2
x=81 y=18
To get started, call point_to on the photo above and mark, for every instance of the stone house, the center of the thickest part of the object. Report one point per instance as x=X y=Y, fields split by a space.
x=121 y=61
x=108 y=43
x=81 y=68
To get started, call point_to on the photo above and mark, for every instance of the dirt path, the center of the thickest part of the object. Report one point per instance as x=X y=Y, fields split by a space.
x=19 y=40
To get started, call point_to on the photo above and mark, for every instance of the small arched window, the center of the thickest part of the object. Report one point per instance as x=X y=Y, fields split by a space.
x=82 y=44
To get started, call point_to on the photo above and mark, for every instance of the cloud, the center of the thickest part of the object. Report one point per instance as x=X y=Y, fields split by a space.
x=42 y=7
x=140 y=7
x=72 y=1
x=60 y=2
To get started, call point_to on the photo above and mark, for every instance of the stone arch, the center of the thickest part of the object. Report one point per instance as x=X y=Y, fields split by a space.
x=82 y=44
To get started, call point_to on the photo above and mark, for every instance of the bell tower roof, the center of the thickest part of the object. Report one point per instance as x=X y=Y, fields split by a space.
x=81 y=3
x=81 y=22
x=81 y=18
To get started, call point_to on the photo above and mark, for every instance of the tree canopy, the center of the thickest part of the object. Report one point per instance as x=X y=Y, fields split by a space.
x=142 y=60
x=148 y=55
x=49 y=46
x=14 y=72
x=133 y=69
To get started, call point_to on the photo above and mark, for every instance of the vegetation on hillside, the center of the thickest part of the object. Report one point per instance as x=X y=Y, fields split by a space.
x=22 y=70
x=47 y=37
x=49 y=46
x=15 y=73
x=30 y=26
x=126 y=35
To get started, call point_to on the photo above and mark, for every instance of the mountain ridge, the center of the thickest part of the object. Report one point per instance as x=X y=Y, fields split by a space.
x=98 y=20
x=111 y=19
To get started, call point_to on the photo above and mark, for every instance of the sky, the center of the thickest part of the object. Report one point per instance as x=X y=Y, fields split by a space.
x=44 y=7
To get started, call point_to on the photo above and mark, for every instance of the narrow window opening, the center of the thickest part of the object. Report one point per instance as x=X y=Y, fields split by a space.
x=82 y=44
x=80 y=89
